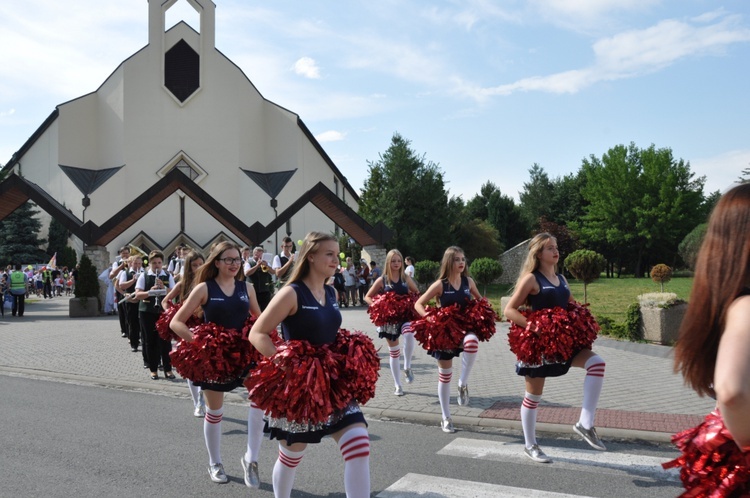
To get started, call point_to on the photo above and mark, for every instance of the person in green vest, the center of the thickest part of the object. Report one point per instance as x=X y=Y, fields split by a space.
x=18 y=283
x=47 y=281
x=149 y=309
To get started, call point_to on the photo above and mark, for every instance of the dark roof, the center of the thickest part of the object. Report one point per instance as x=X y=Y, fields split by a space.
x=88 y=180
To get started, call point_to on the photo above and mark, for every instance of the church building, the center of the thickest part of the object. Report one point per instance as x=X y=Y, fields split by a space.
x=178 y=146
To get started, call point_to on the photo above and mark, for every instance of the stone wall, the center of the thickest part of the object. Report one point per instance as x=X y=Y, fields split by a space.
x=375 y=253
x=99 y=257
x=512 y=260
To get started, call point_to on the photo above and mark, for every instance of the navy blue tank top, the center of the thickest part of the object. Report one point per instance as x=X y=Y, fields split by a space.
x=452 y=296
x=228 y=311
x=399 y=287
x=313 y=323
x=549 y=296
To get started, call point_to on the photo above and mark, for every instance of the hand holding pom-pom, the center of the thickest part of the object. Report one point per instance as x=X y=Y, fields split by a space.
x=390 y=307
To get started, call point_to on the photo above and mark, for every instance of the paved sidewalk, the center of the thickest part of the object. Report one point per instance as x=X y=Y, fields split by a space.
x=642 y=398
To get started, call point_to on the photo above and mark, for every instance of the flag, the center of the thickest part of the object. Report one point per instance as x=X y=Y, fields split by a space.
x=52 y=262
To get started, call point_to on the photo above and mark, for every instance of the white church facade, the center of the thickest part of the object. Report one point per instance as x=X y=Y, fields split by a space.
x=178 y=146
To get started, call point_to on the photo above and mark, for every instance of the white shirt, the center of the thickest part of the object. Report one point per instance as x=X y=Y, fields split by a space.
x=410 y=271
x=141 y=283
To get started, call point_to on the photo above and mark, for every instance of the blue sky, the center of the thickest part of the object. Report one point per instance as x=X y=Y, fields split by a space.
x=484 y=89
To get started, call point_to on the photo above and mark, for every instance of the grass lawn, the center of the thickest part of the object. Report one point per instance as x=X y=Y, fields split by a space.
x=609 y=297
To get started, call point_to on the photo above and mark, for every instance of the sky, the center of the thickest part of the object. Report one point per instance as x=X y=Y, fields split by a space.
x=483 y=89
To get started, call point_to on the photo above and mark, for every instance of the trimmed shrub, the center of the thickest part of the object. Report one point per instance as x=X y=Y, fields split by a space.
x=661 y=274
x=426 y=272
x=586 y=266
x=87 y=284
x=485 y=271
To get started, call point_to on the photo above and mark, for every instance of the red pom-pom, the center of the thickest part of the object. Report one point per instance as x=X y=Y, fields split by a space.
x=479 y=318
x=561 y=334
x=307 y=383
x=441 y=329
x=389 y=307
x=711 y=462
x=215 y=354
x=162 y=324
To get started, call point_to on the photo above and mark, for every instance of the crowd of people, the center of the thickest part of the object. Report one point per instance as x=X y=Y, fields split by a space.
x=18 y=283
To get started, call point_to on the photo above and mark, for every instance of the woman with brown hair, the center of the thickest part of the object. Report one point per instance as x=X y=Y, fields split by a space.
x=453 y=286
x=713 y=353
x=227 y=300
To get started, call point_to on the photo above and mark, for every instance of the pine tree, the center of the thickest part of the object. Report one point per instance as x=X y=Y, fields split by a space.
x=19 y=237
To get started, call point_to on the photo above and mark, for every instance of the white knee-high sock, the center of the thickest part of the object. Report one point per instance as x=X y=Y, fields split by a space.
x=528 y=417
x=444 y=390
x=468 y=357
x=395 y=353
x=355 y=448
x=592 y=388
x=284 y=470
x=409 y=343
x=212 y=434
x=195 y=392
x=254 y=433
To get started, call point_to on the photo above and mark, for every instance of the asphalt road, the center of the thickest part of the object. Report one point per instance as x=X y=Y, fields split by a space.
x=63 y=439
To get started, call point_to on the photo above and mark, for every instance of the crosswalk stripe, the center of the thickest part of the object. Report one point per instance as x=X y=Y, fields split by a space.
x=424 y=486
x=582 y=460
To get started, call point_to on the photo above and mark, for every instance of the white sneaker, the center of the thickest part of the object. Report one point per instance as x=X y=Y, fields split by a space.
x=217 y=474
x=536 y=454
x=463 y=395
x=252 y=480
x=399 y=391
x=447 y=426
x=409 y=375
x=590 y=436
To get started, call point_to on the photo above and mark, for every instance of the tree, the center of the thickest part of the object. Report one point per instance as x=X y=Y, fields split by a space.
x=501 y=212
x=57 y=237
x=485 y=271
x=661 y=274
x=426 y=272
x=536 y=198
x=641 y=204
x=691 y=244
x=566 y=240
x=19 y=237
x=408 y=194
x=586 y=266
x=744 y=176
x=477 y=238
x=67 y=257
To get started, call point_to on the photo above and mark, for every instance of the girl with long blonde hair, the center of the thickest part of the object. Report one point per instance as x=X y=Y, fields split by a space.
x=540 y=286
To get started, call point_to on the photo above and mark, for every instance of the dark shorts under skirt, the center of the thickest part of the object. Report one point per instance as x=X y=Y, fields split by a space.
x=224 y=387
x=441 y=354
x=292 y=432
x=392 y=331
x=545 y=369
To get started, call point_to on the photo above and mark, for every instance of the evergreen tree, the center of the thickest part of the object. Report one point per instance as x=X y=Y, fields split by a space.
x=408 y=194
x=57 y=237
x=19 y=237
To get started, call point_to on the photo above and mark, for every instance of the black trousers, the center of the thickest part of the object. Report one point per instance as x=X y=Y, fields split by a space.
x=263 y=299
x=47 y=289
x=18 y=304
x=134 y=324
x=155 y=346
x=122 y=314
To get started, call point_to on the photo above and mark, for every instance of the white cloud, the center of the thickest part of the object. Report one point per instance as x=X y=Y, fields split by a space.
x=633 y=53
x=721 y=171
x=9 y=112
x=330 y=136
x=307 y=67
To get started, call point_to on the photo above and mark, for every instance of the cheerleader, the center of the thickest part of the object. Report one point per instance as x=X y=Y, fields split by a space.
x=179 y=293
x=453 y=286
x=396 y=281
x=713 y=354
x=308 y=310
x=227 y=301
x=542 y=287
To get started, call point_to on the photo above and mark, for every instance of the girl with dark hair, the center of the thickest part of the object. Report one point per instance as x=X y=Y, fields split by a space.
x=396 y=282
x=453 y=286
x=713 y=354
x=308 y=310
x=542 y=287
x=227 y=300
x=179 y=293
